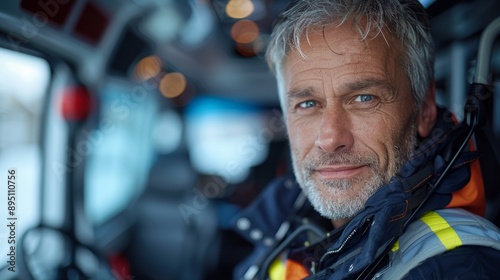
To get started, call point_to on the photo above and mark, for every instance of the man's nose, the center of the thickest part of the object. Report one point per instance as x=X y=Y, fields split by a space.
x=335 y=131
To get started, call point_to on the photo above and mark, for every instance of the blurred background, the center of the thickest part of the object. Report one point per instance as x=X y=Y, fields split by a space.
x=138 y=128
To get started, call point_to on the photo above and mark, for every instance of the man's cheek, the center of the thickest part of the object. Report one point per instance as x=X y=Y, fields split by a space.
x=298 y=139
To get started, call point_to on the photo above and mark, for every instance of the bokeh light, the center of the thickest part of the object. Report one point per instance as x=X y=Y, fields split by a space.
x=239 y=8
x=148 y=67
x=245 y=31
x=172 y=84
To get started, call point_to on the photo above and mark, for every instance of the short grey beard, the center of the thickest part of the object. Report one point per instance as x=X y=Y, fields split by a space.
x=332 y=202
x=332 y=205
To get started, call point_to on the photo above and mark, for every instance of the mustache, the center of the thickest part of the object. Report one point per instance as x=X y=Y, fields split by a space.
x=344 y=157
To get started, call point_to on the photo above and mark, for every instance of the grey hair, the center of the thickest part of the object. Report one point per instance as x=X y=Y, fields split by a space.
x=405 y=19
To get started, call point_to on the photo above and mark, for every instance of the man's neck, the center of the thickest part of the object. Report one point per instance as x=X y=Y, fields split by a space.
x=339 y=223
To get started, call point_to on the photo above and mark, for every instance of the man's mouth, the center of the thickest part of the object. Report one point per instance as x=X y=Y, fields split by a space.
x=340 y=171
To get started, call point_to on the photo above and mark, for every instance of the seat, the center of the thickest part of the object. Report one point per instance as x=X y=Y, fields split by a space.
x=167 y=243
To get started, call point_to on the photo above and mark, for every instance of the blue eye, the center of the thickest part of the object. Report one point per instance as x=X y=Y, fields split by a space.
x=307 y=104
x=364 y=98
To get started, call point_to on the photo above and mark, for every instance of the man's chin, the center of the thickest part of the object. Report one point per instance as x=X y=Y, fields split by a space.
x=341 y=199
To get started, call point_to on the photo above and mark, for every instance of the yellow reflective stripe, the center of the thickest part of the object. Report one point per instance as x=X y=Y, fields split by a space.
x=395 y=247
x=446 y=234
x=277 y=269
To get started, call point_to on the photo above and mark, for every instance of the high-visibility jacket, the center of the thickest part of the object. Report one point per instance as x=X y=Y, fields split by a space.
x=435 y=233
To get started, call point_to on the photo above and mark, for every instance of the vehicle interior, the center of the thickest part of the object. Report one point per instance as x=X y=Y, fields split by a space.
x=138 y=129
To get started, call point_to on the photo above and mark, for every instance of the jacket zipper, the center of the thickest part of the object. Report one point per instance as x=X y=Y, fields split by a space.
x=329 y=252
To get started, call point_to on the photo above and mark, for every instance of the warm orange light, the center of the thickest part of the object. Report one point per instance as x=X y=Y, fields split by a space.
x=172 y=85
x=148 y=67
x=245 y=31
x=239 y=8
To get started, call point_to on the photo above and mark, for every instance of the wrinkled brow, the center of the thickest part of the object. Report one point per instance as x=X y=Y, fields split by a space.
x=366 y=84
x=345 y=88
x=300 y=93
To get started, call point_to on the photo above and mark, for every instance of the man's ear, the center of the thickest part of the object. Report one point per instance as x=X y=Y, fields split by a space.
x=428 y=112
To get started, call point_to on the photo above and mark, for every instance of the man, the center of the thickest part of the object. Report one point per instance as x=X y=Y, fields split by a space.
x=355 y=80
